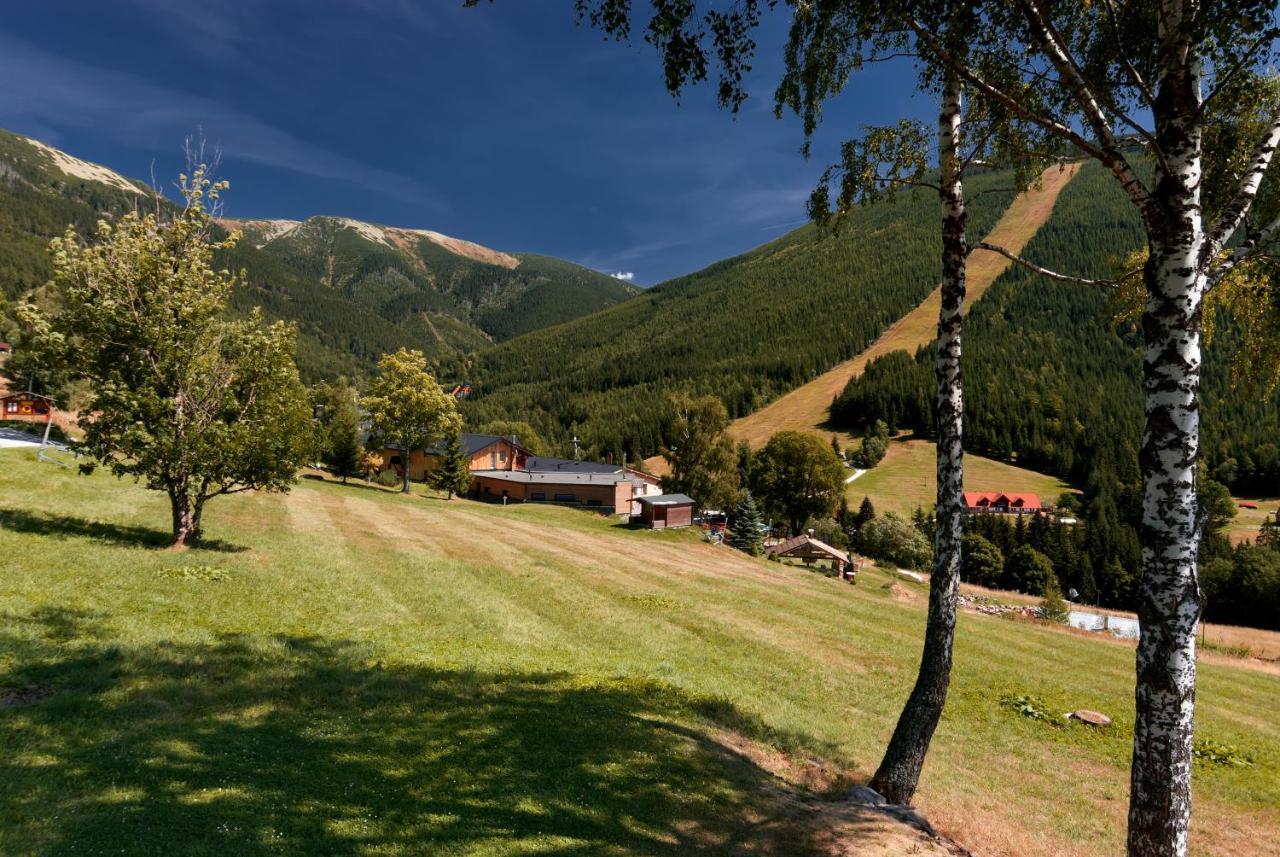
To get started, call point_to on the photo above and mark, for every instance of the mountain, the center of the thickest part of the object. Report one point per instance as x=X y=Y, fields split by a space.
x=355 y=289
x=746 y=329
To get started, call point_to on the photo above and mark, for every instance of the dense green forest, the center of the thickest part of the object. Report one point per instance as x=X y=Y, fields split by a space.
x=354 y=297
x=1053 y=383
x=746 y=329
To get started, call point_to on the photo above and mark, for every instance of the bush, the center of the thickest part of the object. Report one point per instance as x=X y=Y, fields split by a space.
x=891 y=538
x=827 y=530
x=1027 y=570
x=387 y=478
x=983 y=562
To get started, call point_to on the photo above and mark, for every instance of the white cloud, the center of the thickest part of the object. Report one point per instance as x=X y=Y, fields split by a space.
x=628 y=276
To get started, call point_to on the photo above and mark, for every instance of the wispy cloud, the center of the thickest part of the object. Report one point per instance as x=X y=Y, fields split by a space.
x=61 y=93
x=627 y=276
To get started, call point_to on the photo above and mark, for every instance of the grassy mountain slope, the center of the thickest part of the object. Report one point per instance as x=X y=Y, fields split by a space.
x=746 y=329
x=355 y=289
x=345 y=671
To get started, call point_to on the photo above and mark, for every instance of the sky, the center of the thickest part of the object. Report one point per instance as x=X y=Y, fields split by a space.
x=506 y=124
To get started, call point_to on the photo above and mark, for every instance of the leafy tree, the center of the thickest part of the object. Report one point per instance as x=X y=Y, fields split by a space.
x=892 y=539
x=1028 y=570
x=797 y=476
x=983 y=562
x=407 y=409
x=453 y=476
x=183 y=399
x=745 y=524
x=699 y=450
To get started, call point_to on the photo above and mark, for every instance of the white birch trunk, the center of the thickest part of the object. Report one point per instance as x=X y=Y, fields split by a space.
x=1169 y=602
x=899 y=771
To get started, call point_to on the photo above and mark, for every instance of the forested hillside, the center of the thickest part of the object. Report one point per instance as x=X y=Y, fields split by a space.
x=1052 y=383
x=746 y=329
x=355 y=290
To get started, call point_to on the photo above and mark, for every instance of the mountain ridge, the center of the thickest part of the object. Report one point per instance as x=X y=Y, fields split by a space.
x=355 y=289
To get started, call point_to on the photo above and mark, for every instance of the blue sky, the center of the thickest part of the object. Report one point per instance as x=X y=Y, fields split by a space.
x=505 y=124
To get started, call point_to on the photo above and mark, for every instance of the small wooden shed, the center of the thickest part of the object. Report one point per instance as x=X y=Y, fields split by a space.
x=664 y=511
x=26 y=406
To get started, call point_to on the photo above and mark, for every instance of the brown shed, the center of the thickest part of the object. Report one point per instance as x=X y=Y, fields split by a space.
x=663 y=511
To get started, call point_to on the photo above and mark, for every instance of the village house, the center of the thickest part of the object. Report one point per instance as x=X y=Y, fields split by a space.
x=484 y=451
x=978 y=502
x=502 y=470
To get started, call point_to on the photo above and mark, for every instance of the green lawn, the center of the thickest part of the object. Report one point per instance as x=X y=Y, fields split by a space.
x=346 y=671
x=906 y=479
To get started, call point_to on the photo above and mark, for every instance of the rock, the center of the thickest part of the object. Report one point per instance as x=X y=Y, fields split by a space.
x=1093 y=718
x=867 y=795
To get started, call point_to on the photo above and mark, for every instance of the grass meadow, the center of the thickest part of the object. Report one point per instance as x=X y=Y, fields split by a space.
x=346 y=671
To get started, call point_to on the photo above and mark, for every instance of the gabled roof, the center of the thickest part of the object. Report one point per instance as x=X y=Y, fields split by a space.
x=986 y=499
x=808 y=545
x=667 y=500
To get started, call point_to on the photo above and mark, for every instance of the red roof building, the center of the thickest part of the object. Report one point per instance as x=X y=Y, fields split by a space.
x=988 y=501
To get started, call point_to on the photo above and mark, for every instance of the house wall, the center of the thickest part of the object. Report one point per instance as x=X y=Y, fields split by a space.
x=608 y=498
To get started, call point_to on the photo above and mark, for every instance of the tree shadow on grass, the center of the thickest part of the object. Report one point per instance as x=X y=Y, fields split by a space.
x=267 y=745
x=127 y=535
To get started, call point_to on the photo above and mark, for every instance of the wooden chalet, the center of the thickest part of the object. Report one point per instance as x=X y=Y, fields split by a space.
x=485 y=452
x=977 y=502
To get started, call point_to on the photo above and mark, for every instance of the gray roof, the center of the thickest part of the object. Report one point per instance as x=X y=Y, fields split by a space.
x=535 y=477
x=546 y=463
x=667 y=500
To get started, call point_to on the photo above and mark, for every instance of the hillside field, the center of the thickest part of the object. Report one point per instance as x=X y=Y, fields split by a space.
x=907 y=478
x=345 y=671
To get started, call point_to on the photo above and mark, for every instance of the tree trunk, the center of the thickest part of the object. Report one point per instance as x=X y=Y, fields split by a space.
x=186 y=523
x=404 y=484
x=1169 y=600
x=899 y=771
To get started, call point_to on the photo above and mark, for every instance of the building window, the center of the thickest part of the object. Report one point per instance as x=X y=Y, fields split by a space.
x=566 y=498
x=538 y=495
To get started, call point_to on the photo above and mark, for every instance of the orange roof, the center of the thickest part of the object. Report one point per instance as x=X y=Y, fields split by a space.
x=987 y=499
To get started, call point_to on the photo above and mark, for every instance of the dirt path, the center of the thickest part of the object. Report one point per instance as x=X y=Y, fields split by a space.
x=805 y=408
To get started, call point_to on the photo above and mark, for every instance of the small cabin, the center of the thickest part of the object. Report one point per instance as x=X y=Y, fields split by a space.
x=665 y=511
x=26 y=406
x=809 y=551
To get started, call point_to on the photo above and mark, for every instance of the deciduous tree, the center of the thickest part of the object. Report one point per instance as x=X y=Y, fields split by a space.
x=183 y=399
x=797 y=476
x=699 y=451
x=407 y=408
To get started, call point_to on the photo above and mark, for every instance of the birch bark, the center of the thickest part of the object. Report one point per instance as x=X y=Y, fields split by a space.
x=899 y=771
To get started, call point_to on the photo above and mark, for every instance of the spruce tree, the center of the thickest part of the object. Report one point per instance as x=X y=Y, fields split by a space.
x=453 y=476
x=744 y=526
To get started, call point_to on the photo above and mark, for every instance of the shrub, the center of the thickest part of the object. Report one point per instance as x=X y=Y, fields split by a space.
x=891 y=538
x=1052 y=607
x=983 y=562
x=1028 y=570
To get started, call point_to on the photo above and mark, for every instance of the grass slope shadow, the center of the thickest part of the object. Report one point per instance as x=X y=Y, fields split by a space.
x=265 y=745
x=125 y=535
